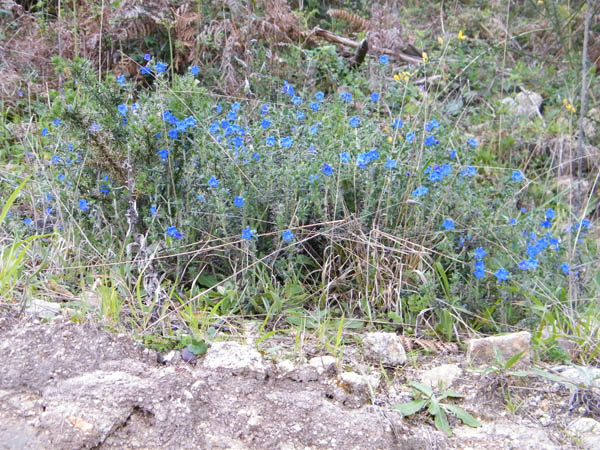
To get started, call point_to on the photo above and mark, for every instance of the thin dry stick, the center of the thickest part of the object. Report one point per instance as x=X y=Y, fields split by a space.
x=584 y=71
x=503 y=67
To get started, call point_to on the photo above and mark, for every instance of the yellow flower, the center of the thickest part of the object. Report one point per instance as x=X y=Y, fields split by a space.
x=390 y=139
x=461 y=35
x=402 y=76
x=440 y=40
x=540 y=2
x=565 y=102
x=425 y=57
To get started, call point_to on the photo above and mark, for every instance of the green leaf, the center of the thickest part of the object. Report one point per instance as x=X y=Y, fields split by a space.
x=441 y=423
x=464 y=416
x=451 y=393
x=434 y=408
x=197 y=347
x=425 y=389
x=9 y=202
x=409 y=408
x=512 y=361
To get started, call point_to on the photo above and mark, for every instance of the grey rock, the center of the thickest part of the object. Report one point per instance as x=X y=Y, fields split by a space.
x=525 y=104
x=323 y=364
x=384 y=348
x=444 y=375
x=587 y=431
x=484 y=351
x=231 y=355
x=363 y=385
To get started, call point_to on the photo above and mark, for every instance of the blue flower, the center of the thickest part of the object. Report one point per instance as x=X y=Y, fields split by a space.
x=163 y=153
x=512 y=222
x=384 y=59
x=265 y=123
x=354 y=121
x=105 y=189
x=48 y=197
x=313 y=129
x=173 y=232
x=238 y=201
x=147 y=57
x=527 y=264
x=122 y=109
x=452 y=154
x=410 y=136
x=319 y=96
x=173 y=133
x=95 y=127
x=83 y=205
x=315 y=106
x=286 y=142
x=194 y=70
x=397 y=124
x=327 y=169
x=420 y=191
x=247 y=234
x=300 y=115
x=585 y=223
x=479 y=273
x=546 y=223
x=56 y=122
x=480 y=253
x=448 y=224
x=161 y=67
x=374 y=97
x=502 y=274
x=231 y=115
x=55 y=159
x=145 y=70
x=288 y=88
x=270 y=141
x=391 y=164
x=566 y=269
x=363 y=159
x=152 y=210
x=517 y=175
x=345 y=157
x=60 y=177
x=218 y=108
x=287 y=236
x=472 y=142
x=45 y=132
x=523 y=210
x=314 y=177
x=432 y=125
x=213 y=182
x=430 y=141
x=27 y=221
x=550 y=213
x=469 y=172
x=346 y=96
x=296 y=100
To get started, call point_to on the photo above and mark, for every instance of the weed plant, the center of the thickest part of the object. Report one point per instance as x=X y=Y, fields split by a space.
x=357 y=203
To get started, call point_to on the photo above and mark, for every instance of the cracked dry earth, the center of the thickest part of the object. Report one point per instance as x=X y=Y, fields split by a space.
x=69 y=386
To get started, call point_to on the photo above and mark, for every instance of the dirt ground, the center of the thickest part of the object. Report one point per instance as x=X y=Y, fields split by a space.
x=70 y=386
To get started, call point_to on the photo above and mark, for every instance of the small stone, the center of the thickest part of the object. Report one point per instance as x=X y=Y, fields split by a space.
x=359 y=384
x=588 y=432
x=187 y=355
x=231 y=355
x=42 y=309
x=285 y=366
x=484 y=351
x=441 y=376
x=384 y=348
x=525 y=104
x=323 y=364
x=580 y=375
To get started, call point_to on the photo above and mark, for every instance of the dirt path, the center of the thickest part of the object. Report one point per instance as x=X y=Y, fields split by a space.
x=68 y=386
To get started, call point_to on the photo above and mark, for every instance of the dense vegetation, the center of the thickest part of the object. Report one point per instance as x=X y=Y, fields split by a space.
x=252 y=170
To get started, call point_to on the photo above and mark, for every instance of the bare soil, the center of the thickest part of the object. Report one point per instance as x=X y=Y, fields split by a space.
x=69 y=386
